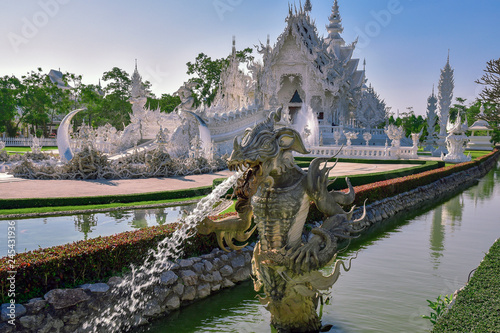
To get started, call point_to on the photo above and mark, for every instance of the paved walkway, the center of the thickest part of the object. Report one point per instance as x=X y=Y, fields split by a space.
x=16 y=188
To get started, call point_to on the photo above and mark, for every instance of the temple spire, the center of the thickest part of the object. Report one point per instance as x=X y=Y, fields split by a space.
x=308 y=6
x=335 y=27
x=445 y=95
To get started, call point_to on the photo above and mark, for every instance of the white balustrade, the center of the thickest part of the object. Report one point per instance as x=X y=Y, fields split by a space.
x=27 y=142
x=368 y=152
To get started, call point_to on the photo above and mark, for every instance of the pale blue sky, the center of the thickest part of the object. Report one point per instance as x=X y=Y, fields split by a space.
x=405 y=42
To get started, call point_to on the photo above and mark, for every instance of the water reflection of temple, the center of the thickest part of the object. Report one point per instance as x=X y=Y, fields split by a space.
x=448 y=214
x=142 y=218
x=84 y=223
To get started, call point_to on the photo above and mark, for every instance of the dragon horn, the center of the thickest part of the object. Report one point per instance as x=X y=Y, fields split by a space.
x=277 y=115
x=220 y=237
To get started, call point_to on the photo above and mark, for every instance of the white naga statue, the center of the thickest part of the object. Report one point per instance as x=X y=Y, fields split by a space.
x=456 y=141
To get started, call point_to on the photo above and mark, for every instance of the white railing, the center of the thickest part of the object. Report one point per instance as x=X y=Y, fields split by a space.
x=27 y=142
x=368 y=152
x=325 y=129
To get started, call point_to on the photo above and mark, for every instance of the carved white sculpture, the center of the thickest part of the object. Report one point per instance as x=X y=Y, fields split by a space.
x=430 y=140
x=445 y=97
x=415 y=137
x=395 y=134
x=350 y=136
x=456 y=141
x=367 y=137
x=371 y=110
x=337 y=135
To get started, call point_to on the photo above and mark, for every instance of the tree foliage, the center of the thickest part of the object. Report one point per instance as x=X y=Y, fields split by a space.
x=491 y=96
x=208 y=72
x=167 y=103
x=491 y=81
x=40 y=101
x=410 y=122
x=115 y=104
x=10 y=90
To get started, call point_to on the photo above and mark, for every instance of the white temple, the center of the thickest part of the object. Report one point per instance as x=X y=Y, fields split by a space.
x=302 y=68
x=315 y=78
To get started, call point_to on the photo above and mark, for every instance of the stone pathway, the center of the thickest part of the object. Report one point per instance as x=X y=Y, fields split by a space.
x=16 y=188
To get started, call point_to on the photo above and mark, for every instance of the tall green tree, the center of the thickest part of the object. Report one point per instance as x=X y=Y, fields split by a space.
x=491 y=95
x=92 y=98
x=115 y=105
x=410 y=122
x=207 y=74
x=10 y=90
x=37 y=101
x=167 y=103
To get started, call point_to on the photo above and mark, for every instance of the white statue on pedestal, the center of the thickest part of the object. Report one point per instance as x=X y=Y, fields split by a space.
x=456 y=141
x=337 y=136
x=367 y=137
x=395 y=134
x=415 y=137
x=350 y=136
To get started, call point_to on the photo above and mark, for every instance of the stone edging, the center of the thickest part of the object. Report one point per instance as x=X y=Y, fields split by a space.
x=188 y=280
x=64 y=310
x=385 y=208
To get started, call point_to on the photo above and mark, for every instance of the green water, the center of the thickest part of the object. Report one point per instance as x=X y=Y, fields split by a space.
x=43 y=232
x=401 y=264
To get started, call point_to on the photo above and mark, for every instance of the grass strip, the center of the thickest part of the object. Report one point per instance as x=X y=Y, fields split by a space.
x=47 y=211
x=8 y=204
x=477 y=306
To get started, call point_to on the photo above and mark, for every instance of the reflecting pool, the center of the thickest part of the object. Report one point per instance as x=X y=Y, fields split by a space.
x=400 y=265
x=34 y=233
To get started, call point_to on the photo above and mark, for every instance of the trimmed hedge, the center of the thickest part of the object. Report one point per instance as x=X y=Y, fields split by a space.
x=357 y=180
x=104 y=199
x=99 y=258
x=477 y=307
x=388 y=188
x=362 y=179
x=363 y=160
x=96 y=259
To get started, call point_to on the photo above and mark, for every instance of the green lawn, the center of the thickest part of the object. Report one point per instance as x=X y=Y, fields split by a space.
x=477 y=307
x=45 y=210
x=17 y=150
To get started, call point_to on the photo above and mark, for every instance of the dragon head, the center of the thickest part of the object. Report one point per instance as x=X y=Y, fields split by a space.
x=264 y=149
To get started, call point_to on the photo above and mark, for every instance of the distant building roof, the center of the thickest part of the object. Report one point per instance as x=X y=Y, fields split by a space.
x=480 y=125
x=57 y=78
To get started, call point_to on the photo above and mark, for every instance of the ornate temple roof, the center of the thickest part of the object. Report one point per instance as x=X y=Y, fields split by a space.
x=331 y=59
x=480 y=125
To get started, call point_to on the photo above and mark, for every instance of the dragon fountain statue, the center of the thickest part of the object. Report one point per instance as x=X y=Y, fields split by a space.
x=275 y=194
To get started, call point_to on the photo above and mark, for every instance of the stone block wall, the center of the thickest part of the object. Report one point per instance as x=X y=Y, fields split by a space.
x=188 y=280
